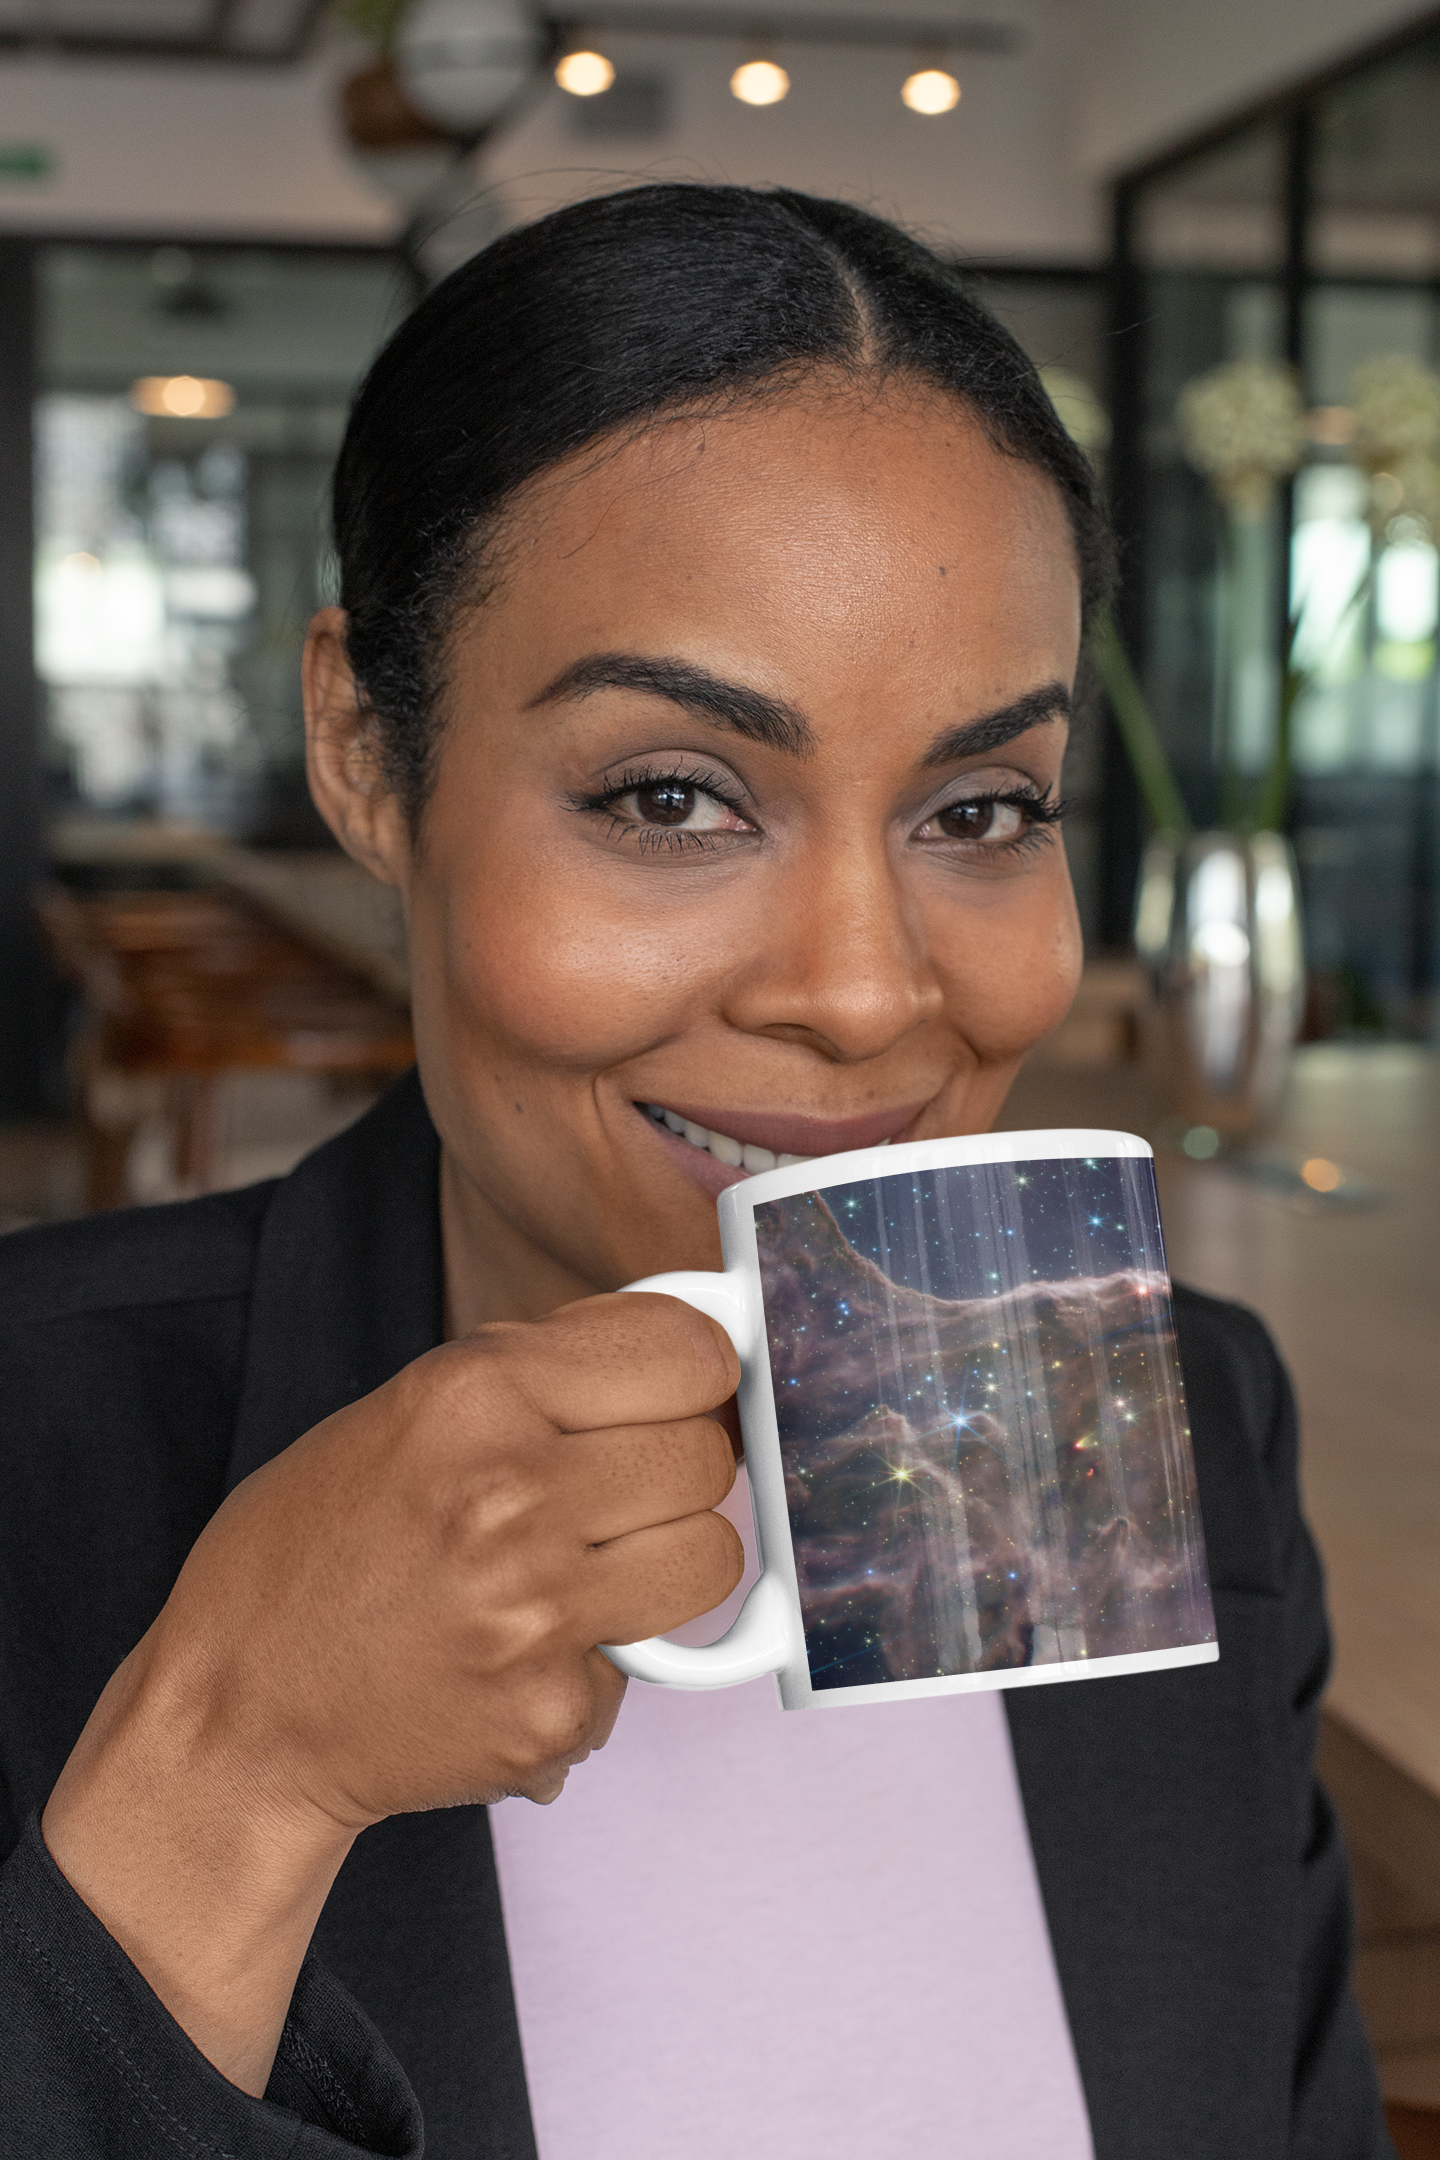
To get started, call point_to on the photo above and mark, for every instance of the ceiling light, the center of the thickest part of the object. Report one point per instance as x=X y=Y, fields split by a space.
x=584 y=74
x=931 y=90
x=759 y=82
x=182 y=397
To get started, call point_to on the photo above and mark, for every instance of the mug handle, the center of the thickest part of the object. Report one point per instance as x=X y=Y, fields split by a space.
x=759 y=1640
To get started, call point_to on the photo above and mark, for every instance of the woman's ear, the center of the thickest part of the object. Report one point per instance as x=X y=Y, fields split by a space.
x=342 y=759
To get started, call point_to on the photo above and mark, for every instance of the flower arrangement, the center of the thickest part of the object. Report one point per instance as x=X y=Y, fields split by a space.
x=1243 y=425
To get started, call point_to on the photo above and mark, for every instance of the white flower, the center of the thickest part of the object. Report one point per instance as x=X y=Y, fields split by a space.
x=1397 y=412
x=1243 y=425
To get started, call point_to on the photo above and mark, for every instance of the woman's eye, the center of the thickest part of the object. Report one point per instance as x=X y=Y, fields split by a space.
x=678 y=806
x=980 y=817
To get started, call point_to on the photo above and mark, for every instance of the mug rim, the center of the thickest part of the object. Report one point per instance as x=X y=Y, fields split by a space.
x=1078 y=1143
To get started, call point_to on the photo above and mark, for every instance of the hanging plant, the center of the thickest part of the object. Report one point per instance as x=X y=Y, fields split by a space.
x=374 y=110
x=377 y=21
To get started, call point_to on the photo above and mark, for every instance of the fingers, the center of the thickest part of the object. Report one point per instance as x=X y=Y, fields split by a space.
x=616 y=1360
x=653 y=1580
x=636 y=1477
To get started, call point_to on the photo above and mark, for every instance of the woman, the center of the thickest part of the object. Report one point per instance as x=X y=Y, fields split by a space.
x=713 y=577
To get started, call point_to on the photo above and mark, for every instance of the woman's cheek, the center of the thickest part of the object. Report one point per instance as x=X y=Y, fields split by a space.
x=563 y=982
x=1012 y=978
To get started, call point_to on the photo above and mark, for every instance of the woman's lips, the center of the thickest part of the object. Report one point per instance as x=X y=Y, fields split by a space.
x=719 y=1148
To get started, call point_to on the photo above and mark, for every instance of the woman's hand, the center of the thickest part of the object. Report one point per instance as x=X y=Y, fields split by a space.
x=399 y=1612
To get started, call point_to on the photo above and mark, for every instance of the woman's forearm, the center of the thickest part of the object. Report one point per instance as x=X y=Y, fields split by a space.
x=209 y=1883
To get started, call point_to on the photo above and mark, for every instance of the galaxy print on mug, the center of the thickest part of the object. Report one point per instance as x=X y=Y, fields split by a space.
x=987 y=1459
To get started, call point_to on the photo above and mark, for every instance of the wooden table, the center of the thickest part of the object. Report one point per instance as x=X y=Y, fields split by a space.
x=1351 y=1296
x=327 y=900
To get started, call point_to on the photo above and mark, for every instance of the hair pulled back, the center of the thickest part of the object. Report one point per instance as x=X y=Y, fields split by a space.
x=606 y=314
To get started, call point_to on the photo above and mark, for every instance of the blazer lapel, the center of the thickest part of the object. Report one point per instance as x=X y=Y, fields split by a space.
x=348 y=1288
x=348 y=1284
x=1160 y=1810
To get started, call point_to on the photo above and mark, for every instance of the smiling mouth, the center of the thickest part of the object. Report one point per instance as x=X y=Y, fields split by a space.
x=743 y=1156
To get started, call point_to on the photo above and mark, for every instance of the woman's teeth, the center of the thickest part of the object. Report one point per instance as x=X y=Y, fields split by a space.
x=734 y=1154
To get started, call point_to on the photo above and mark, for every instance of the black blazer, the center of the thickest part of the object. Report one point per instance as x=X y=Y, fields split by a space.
x=1191 y=1868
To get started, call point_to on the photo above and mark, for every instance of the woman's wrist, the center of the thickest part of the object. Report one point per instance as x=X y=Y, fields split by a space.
x=200 y=1856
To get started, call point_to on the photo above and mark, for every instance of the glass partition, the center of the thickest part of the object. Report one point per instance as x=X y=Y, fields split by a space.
x=1059 y=317
x=191 y=403
x=1307 y=241
x=1211 y=250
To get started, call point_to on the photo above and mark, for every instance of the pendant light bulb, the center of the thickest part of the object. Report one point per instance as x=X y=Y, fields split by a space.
x=931 y=90
x=584 y=74
x=759 y=82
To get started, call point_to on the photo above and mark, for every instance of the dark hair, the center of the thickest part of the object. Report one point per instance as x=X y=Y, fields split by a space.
x=600 y=317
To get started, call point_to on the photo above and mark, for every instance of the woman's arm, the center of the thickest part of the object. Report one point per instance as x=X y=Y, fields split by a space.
x=399 y=1612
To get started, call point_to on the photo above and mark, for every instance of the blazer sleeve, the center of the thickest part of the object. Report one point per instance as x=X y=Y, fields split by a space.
x=1337 y=2110
x=95 y=2068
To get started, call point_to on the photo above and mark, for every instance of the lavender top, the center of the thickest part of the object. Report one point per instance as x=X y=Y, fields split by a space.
x=814 y=1936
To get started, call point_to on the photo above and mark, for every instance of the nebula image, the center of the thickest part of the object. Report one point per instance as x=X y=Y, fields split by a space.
x=982 y=1422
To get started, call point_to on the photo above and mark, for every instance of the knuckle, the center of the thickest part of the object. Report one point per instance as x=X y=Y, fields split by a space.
x=496 y=1502
x=527 y=1632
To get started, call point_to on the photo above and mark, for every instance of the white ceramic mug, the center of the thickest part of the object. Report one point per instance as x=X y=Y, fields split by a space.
x=964 y=1424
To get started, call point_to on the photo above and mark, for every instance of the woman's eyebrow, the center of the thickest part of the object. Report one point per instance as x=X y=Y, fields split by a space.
x=745 y=711
x=992 y=730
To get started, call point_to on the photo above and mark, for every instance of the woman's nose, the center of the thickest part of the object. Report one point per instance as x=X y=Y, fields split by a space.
x=841 y=962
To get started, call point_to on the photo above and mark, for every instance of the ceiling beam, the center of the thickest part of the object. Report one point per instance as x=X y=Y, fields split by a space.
x=794 y=27
x=751 y=25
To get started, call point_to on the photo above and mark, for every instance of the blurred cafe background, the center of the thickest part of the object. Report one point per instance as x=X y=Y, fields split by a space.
x=1216 y=231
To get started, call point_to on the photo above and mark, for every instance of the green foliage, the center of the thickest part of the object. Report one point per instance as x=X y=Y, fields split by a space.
x=1159 y=791
x=1163 y=801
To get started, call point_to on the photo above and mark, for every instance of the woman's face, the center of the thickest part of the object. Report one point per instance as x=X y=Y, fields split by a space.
x=738 y=827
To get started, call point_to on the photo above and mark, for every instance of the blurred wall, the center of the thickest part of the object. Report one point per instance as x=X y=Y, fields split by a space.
x=182 y=148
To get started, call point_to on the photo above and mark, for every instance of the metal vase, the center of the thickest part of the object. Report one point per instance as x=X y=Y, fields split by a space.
x=1217 y=925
